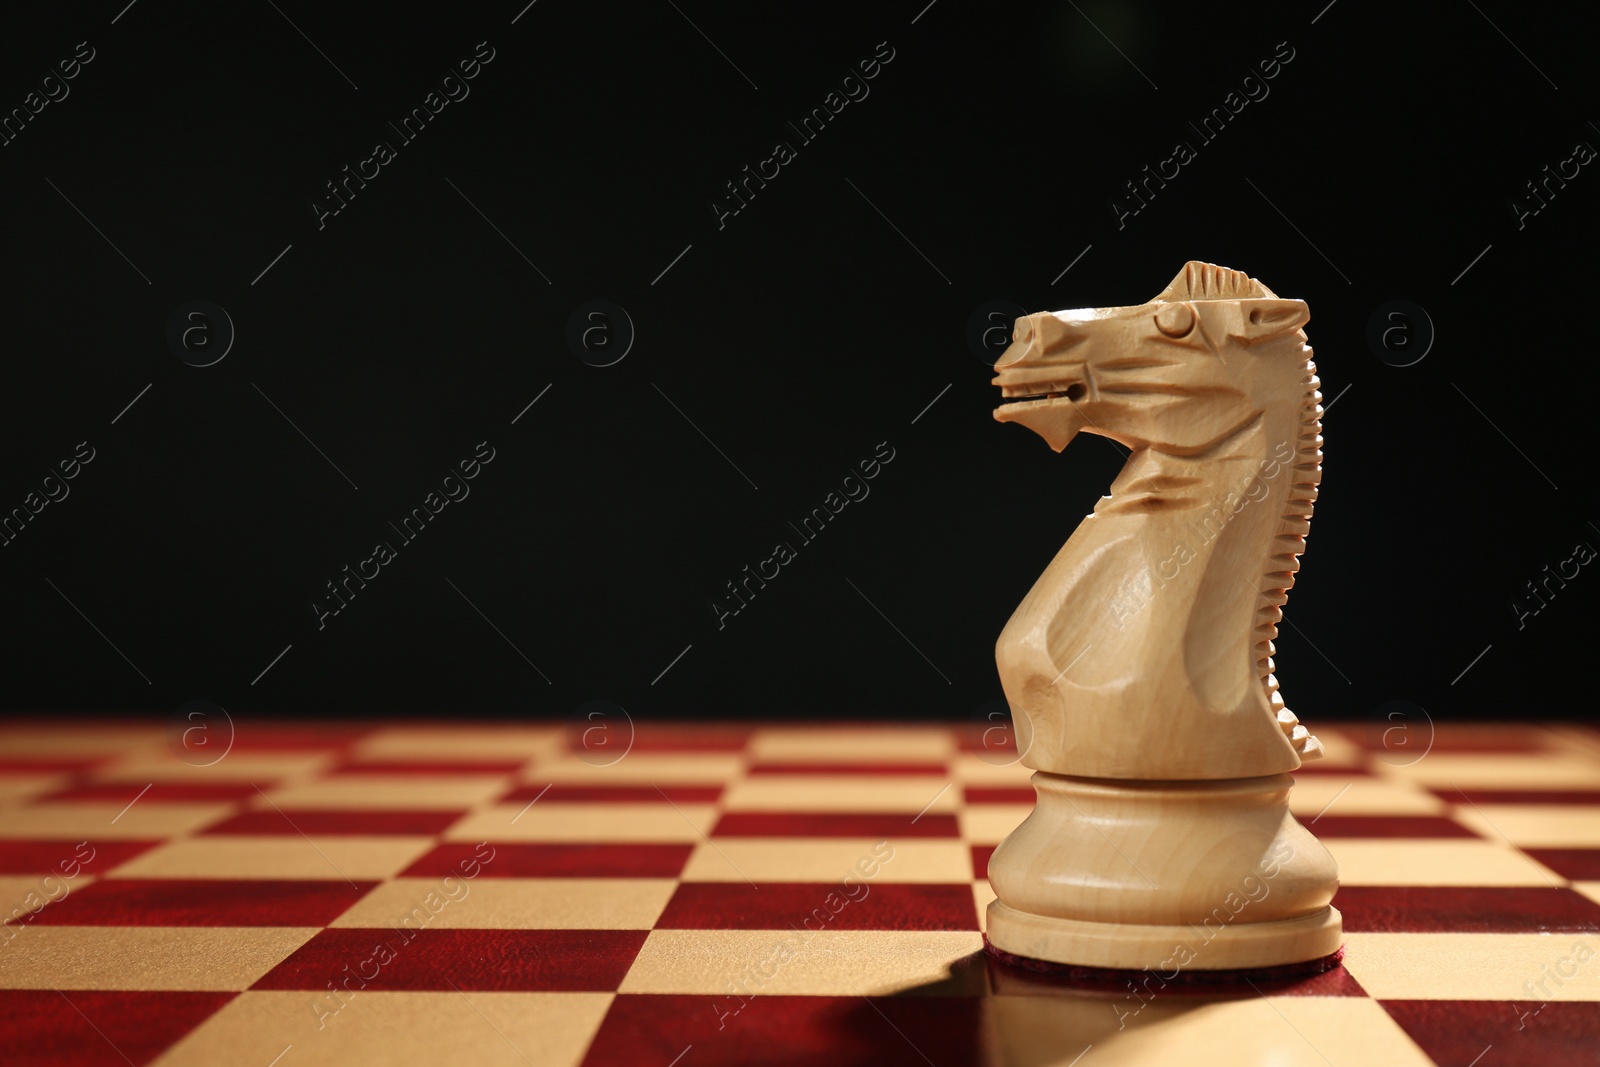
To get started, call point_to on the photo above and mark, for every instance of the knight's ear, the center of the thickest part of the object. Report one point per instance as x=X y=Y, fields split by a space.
x=1266 y=319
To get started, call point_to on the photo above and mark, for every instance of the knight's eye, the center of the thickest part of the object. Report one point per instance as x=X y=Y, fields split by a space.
x=1175 y=320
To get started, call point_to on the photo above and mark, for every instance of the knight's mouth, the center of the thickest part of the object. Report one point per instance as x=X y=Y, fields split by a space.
x=1015 y=396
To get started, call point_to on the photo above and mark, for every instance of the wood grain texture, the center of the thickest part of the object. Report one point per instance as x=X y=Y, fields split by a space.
x=1145 y=648
x=1139 y=667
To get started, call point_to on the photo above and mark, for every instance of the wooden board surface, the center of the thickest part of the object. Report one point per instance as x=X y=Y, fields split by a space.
x=696 y=895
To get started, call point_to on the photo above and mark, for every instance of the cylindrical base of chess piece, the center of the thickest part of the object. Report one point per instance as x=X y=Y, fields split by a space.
x=1164 y=875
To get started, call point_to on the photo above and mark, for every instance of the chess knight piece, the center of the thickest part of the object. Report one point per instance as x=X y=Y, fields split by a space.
x=1139 y=666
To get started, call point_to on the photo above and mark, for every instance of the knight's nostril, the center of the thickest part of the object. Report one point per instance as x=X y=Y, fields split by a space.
x=1022 y=330
x=1077 y=391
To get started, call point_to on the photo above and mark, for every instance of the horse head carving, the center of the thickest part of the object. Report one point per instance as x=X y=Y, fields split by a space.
x=1145 y=648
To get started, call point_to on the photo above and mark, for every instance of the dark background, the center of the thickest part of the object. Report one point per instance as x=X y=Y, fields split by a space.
x=771 y=354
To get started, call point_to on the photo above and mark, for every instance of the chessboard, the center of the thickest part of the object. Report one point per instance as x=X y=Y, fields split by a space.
x=282 y=895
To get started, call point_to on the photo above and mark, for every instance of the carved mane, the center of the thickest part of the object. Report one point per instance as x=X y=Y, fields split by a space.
x=1280 y=567
x=1207 y=281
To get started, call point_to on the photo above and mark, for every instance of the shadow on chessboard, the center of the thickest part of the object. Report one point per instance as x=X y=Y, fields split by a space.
x=985 y=1010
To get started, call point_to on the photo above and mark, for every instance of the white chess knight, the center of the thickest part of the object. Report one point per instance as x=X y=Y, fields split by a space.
x=1139 y=667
